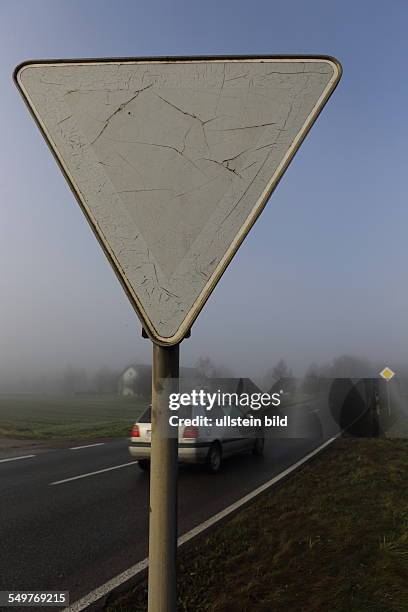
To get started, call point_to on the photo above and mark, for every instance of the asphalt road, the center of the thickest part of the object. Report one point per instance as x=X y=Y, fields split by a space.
x=77 y=534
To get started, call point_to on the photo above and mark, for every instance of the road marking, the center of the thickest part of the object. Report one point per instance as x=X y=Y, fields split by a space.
x=115 y=467
x=87 y=446
x=16 y=458
x=132 y=571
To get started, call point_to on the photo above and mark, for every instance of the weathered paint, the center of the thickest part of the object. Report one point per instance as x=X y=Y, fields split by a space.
x=173 y=160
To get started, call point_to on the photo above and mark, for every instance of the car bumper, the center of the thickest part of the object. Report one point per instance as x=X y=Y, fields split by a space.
x=188 y=452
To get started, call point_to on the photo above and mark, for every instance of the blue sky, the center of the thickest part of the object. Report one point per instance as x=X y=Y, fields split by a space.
x=322 y=273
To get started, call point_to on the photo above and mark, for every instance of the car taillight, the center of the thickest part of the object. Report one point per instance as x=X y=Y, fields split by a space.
x=190 y=432
x=135 y=433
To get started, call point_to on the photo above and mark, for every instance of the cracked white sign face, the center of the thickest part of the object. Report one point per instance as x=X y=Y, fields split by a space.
x=173 y=160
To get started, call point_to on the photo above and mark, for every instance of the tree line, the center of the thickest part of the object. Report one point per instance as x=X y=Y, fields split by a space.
x=74 y=379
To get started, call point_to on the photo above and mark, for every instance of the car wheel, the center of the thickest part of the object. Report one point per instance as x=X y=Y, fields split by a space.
x=144 y=465
x=214 y=458
x=258 y=448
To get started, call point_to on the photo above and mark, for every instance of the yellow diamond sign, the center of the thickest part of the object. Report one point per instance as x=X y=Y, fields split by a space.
x=387 y=373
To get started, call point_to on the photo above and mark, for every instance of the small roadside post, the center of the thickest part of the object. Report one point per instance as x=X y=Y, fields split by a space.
x=172 y=160
x=387 y=374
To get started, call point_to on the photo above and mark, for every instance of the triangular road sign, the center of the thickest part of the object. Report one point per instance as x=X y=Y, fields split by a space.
x=172 y=160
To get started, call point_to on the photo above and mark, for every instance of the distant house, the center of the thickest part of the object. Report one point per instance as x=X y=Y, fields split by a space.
x=137 y=379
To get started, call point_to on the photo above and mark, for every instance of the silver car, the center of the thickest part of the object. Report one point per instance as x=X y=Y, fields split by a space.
x=207 y=445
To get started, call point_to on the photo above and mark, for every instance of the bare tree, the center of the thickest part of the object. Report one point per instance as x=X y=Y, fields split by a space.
x=313 y=382
x=348 y=366
x=105 y=380
x=281 y=370
x=74 y=380
x=278 y=372
x=206 y=367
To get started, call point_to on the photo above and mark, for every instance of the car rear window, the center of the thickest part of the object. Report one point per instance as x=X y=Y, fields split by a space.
x=146 y=416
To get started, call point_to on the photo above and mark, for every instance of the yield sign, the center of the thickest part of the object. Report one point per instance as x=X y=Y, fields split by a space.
x=172 y=160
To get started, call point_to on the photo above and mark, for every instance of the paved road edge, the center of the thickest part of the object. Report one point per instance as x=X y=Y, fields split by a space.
x=130 y=577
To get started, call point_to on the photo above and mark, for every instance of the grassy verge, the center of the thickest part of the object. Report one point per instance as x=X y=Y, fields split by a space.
x=49 y=417
x=399 y=429
x=333 y=537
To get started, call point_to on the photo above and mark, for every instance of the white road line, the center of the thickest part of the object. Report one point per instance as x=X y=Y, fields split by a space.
x=115 y=467
x=87 y=446
x=132 y=571
x=16 y=458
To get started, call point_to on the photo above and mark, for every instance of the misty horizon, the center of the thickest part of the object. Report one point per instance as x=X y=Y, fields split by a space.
x=105 y=379
x=322 y=272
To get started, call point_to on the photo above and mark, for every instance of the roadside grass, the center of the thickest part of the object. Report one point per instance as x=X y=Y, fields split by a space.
x=334 y=537
x=49 y=417
x=400 y=428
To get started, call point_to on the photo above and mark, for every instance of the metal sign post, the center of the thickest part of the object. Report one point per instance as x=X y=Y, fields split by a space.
x=172 y=160
x=163 y=486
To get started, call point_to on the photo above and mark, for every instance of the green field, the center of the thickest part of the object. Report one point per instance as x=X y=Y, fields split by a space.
x=48 y=417
x=27 y=416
